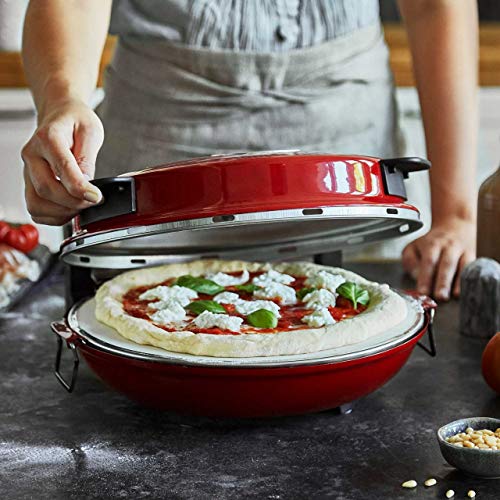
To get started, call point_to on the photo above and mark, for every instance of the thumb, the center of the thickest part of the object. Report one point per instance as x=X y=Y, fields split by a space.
x=87 y=141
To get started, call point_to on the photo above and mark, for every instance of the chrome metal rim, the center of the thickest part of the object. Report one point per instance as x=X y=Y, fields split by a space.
x=82 y=250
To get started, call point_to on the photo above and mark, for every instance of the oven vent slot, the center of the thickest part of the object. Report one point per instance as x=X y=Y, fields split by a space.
x=312 y=211
x=223 y=218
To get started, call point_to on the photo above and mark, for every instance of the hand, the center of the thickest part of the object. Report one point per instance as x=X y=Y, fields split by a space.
x=436 y=259
x=59 y=160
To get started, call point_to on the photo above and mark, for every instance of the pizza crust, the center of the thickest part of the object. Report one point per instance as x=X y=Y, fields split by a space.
x=385 y=310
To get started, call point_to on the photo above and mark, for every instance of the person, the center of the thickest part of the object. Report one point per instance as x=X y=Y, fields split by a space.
x=195 y=78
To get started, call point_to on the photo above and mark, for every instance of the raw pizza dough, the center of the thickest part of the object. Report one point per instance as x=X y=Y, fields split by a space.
x=385 y=310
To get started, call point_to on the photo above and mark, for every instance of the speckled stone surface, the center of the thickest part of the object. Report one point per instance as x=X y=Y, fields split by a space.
x=95 y=444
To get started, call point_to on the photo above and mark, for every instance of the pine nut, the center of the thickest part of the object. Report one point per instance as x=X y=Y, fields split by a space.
x=430 y=482
x=450 y=493
x=490 y=441
x=484 y=439
x=410 y=484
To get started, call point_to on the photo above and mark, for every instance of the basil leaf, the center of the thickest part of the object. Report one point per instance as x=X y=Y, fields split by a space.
x=303 y=292
x=262 y=318
x=363 y=297
x=249 y=288
x=198 y=306
x=200 y=285
x=354 y=293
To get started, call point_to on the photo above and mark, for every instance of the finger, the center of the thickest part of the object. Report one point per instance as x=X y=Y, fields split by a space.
x=446 y=270
x=427 y=268
x=411 y=260
x=465 y=259
x=41 y=208
x=87 y=140
x=50 y=221
x=58 y=154
x=48 y=187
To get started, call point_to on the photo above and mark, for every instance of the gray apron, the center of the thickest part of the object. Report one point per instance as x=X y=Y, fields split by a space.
x=167 y=102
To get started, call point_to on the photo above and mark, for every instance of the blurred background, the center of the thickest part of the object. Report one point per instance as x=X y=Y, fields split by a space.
x=17 y=116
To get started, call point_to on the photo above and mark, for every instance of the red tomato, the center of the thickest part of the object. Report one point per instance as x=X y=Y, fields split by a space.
x=4 y=229
x=491 y=363
x=23 y=237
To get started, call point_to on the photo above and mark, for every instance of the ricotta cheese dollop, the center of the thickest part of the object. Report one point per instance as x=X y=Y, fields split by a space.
x=223 y=321
x=180 y=294
x=320 y=299
x=325 y=279
x=173 y=312
x=272 y=276
x=246 y=307
x=224 y=279
x=284 y=294
x=227 y=298
x=320 y=317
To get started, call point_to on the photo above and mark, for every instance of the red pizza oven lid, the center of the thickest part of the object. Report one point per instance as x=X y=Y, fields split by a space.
x=268 y=205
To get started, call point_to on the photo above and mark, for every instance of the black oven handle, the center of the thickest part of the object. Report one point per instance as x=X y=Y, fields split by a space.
x=118 y=199
x=395 y=170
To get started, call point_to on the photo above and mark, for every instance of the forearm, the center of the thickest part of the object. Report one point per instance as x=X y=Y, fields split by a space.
x=443 y=40
x=62 y=46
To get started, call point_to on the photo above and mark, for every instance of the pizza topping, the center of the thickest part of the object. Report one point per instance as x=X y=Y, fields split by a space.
x=271 y=277
x=301 y=293
x=325 y=279
x=199 y=306
x=227 y=298
x=201 y=285
x=180 y=294
x=223 y=321
x=248 y=288
x=320 y=299
x=171 y=314
x=263 y=318
x=319 y=317
x=284 y=294
x=224 y=279
x=247 y=307
x=354 y=293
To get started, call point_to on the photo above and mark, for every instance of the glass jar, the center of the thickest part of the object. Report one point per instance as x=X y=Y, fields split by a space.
x=488 y=218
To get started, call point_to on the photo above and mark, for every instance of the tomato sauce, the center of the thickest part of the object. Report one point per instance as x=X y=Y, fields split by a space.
x=290 y=319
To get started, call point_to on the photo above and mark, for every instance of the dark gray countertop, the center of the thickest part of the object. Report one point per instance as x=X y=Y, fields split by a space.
x=96 y=444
